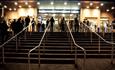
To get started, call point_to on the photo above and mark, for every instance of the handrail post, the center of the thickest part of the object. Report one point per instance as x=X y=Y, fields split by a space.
x=16 y=44
x=99 y=45
x=29 y=61
x=3 y=58
x=39 y=58
x=112 y=47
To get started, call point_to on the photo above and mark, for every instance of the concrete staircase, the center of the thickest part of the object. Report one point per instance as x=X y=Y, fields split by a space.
x=57 y=48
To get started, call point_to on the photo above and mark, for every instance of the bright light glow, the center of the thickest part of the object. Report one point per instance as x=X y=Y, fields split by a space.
x=71 y=14
x=79 y=3
x=97 y=7
x=52 y=3
x=65 y=3
x=29 y=6
x=15 y=3
x=20 y=6
x=87 y=7
x=45 y=14
x=63 y=15
x=107 y=10
x=38 y=3
x=14 y=9
x=5 y=6
x=54 y=15
x=10 y=9
x=26 y=3
x=112 y=7
x=91 y=4
x=102 y=4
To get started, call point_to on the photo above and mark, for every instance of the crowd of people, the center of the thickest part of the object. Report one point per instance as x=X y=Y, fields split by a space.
x=17 y=25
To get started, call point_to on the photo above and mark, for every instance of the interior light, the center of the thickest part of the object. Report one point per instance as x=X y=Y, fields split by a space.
x=112 y=7
x=15 y=3
x=107 y=10
x=71 y=14
x=29 y=6
x=0 y=3
x=63 y=15
x=5 y=6
x=54 y=15
x=20 y=6
x=14 y=9
x=26 y=3
x=102 y=4
x=97 y=7
x=79 y=3
x=52 y=3
x=65 y=3
x=91 y=4
x=38 y=3
x=87 y=7
x=10 y=9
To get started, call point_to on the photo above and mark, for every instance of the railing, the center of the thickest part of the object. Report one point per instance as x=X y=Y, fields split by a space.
x=38 y=46
x=112 y=43
x=15 y=36
x=76 y=45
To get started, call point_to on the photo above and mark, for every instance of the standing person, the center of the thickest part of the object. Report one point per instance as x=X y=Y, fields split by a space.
x=3 y=30
x=43 y=27
x=76 y=24
x=62 y=24
x=33 y=25
x=47 y=22
x=88 y=24
x=52 y=24
x=38 y=26
x=27 y=21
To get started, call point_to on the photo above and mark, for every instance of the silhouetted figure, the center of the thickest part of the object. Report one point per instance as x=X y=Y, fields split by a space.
x=43 y=27
x=38 y=26
x=88 y=24
x=52 y=24
x=33 y=24
x=76 y=24
x=62 y=24
x=47 y=22
x=113 y=24
x=27 y=21
x=3 y=30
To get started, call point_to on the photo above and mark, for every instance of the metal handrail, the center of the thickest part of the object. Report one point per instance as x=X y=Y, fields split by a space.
x=15 y=36
x=108 y=42
x=77 y=45
x=38 y=46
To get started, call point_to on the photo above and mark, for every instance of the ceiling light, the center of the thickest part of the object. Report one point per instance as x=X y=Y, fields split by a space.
x=29 y=6
x=112 y=7
x=91 y=4
x=87 y=7
x=65 y=3
x=14 y=9
x=38 y=3
x=97 y=7
x=20 y=6
x=102 y=4
x=107 y=10
x=26 y=3
x=15 y=3
x=5 y=6
x=79 y=3
x=10 y=9
x=52 y=3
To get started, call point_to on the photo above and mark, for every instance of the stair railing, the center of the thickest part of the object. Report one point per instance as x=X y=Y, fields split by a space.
x=108 y=42
x=38 y=46
x=77 y=46
x=15 y=36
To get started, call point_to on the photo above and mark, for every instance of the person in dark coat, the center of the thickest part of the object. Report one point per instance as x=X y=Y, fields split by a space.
x=27 y=21
x=76 y=24
x=47 y=22
x=62 y=24
x=52 y=24
x=3 y=30
x=33 y=24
